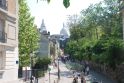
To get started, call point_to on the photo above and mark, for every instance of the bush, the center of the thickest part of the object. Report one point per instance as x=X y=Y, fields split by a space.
x=42 y=63
x=41 y=66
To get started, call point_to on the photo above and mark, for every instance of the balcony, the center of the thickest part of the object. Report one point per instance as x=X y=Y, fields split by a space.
x=3 y=37
x=3 y=4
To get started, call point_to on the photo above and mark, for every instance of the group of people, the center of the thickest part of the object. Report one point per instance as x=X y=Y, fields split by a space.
x=82 y=79
x=85 y=71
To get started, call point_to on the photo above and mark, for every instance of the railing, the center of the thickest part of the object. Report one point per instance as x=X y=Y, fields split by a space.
x=3 y=37
x=3 y=4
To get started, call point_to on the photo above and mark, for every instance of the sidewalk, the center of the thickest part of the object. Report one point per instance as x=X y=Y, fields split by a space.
x=17 y=81
x=64 y=75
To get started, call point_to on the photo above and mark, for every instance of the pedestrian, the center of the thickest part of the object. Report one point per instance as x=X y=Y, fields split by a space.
x=87 y=70
x=54 y=81
x=83 y=79
x=75 y=80
x=55 y=64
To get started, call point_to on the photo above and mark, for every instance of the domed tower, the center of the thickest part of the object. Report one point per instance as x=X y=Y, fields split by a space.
x=64 y=37
x=64 y=32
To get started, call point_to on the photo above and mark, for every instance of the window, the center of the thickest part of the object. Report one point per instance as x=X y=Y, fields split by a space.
x=11 y=32
x=0 y=2
x=1 y=61
x=3 y=4
x=2 y=33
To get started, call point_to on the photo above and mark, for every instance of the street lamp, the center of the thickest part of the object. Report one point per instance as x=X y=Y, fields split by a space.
x=123 y=20
x=58 y=69
x=49 y=73
x=31 y=63
x=58 y=63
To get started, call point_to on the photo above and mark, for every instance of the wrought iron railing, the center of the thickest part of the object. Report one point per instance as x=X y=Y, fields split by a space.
x=3 y=37
x=3 y=4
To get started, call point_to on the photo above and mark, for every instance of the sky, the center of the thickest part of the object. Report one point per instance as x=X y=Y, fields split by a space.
x=54 y=13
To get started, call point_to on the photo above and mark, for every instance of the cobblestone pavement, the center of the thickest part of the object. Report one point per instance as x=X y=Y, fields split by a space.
x=66 y=76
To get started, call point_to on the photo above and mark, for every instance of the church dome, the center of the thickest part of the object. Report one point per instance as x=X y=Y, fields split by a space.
x=64 y=32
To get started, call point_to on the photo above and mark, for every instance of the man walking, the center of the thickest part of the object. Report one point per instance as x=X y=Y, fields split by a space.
x=87 y=70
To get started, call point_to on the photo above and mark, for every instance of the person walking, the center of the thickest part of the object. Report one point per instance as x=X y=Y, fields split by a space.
x=87 y=70
x=75 y=80
x=83 y=79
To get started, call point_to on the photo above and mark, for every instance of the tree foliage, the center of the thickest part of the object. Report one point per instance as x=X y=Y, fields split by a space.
x=98 y=35
x=42 y=63
x=28 y=34
x=66 y=3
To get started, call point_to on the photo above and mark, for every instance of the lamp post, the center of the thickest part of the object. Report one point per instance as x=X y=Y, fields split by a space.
x=31 y=67
x=58 y=69
x=49 y=74
x=58 y=63
x=123 y=21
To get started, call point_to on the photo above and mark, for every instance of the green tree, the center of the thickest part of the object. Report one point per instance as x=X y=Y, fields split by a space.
x=42 y=63
x=98 y=34
x=66 y=3
x=28 y=34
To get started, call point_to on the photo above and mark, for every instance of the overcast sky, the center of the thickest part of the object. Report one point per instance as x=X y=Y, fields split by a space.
x=54 y=13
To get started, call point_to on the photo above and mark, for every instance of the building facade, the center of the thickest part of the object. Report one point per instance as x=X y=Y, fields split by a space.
x=64 y=37
x=44 y=49
x=54 y=46
x=8 y=40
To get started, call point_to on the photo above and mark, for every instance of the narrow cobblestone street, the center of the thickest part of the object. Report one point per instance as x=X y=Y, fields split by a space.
x=66 y=76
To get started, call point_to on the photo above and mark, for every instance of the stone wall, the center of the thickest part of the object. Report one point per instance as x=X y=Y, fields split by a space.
x=116 y=75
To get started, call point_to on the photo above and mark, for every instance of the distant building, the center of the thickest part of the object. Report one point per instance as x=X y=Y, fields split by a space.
x=58 y=41
x=54 y=47
x=64 y=32
x=64 y=37
x=8 y=40
x=44 y=41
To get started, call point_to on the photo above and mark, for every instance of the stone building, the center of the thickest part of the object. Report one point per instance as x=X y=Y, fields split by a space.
x=44 y=41
x=64 y=37
x=8 y=40
x=58 y=42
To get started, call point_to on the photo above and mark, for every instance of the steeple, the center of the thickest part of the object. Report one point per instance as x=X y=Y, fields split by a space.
x=43 y=27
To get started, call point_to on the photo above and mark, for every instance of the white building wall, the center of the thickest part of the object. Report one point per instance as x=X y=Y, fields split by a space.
x=10 y=49
x=11 y=65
